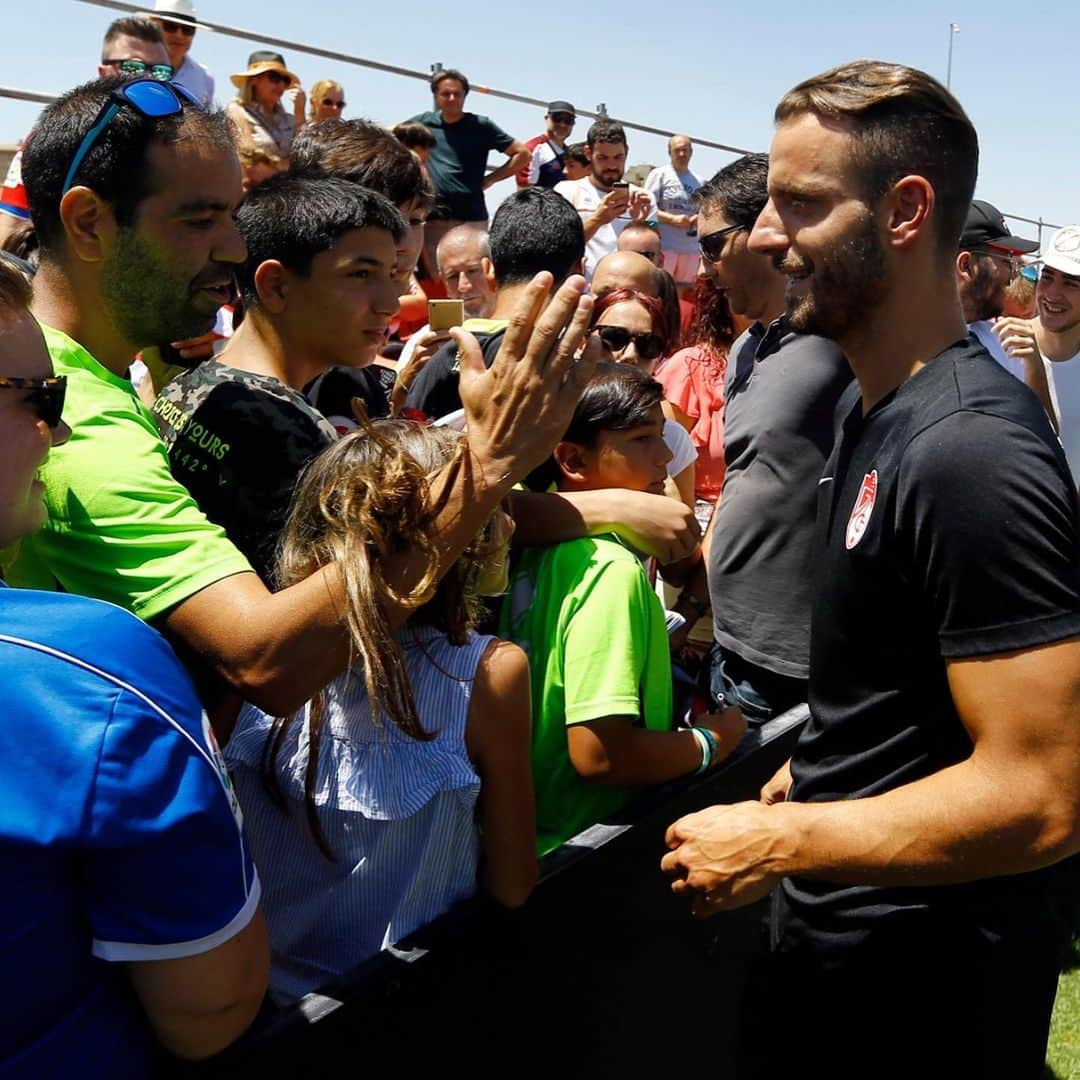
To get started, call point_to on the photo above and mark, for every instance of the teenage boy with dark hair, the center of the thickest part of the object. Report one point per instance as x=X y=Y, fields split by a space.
x=318 y=290
x=595 y=632
x=139 y=245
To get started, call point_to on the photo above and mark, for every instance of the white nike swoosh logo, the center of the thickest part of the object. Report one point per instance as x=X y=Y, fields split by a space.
x=825 y=480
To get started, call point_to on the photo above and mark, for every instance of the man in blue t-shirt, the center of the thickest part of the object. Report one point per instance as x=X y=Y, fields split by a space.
x=129 y=891
x=458 y=160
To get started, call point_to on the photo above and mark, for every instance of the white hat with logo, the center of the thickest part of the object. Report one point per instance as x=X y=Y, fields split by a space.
x=1063 y=251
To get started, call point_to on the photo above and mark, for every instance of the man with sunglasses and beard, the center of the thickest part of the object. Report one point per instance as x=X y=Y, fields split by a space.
x=988 y=260
x=907 y=843
x=780 y=392
x=129 y=886
x=176 y=21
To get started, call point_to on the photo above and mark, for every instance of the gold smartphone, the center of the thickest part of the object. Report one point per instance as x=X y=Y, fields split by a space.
x=442 y=314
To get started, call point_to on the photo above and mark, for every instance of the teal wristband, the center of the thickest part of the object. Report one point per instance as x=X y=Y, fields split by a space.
x=706 y=746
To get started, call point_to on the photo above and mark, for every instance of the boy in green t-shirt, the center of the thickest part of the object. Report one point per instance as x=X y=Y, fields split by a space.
x=595 y=633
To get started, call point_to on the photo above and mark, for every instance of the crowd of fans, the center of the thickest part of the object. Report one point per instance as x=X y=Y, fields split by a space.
x=446 y=592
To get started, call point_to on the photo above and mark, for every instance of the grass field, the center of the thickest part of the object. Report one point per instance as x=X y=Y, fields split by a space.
x=1063 y=1051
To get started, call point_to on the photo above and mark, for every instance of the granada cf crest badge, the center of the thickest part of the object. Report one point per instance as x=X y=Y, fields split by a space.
x=864 y=507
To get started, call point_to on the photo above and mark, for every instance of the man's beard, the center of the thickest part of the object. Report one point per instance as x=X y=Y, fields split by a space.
x=844 y=284
x=986 y=296
x=148 y=300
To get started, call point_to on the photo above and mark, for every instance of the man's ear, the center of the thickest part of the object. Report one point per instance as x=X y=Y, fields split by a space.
x=272 y=286
x=489 y=272
x=911 y=203
x=89 y=222
x=965 y=266
x=588 y=152
x=573 y=461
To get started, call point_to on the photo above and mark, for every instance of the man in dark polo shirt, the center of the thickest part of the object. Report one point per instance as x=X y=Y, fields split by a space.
x=458 y=159
x=780 y=395
x=937 y=777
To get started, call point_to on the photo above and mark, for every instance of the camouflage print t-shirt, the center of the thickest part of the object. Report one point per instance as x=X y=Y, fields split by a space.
x=238 y=442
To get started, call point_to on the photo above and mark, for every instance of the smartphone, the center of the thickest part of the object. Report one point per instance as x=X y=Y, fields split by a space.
x=442 y=314
x=621 y=185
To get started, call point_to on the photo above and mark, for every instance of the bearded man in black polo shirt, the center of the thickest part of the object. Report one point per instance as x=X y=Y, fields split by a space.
x=937 y=777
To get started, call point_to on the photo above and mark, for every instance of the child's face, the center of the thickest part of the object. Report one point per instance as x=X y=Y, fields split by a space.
x=635 y=459
x=495 y=560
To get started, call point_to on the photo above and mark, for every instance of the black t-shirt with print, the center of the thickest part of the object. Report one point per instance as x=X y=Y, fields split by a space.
x=435 y=390
x=946 y=529
x=239 y=442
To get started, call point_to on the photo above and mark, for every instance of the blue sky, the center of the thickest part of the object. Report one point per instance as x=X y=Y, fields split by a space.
x=714 y=71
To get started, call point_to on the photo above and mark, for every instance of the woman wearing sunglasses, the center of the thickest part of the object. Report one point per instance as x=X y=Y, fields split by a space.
x=257 y=112
x=631 y=328
x=326 y=101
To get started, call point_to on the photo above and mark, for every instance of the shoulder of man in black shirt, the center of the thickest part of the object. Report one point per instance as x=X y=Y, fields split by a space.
x=333 y=391
x=435 y=390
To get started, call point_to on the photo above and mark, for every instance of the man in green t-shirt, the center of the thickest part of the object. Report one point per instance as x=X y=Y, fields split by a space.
x=133 y=189
x=595 y=633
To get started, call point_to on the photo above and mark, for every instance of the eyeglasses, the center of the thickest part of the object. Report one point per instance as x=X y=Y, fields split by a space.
x=652 y=256
x=616 y=338
x=1000 y=256
x=161 y=72
x=563 y=118
x=712 y=245
x=148 y=97
x=46 y=395
x=276 y=77
x=170 y=27
x=329 y=103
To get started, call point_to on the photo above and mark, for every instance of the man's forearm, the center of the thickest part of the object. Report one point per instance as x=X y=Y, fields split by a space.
x=969 y=821
x=665 y=218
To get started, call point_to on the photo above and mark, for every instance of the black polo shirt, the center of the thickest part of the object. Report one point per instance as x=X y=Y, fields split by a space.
x=946 y=529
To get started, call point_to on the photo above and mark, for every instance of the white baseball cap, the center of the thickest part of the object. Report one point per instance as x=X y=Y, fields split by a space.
x=1063 y=251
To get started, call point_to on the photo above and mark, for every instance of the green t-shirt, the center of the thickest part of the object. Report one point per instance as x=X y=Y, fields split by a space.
x=597 y=644
x=120 y=527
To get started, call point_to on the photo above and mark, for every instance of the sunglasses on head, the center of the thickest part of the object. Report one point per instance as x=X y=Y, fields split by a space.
x=161 y=72
x=616 y=338
x=46 y=395
x=148 y=97
x=712 y=245
x=170 y=27
x=329 y=103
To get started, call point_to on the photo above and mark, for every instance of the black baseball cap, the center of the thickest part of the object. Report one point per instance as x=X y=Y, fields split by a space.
x=560 y=107
x=985 y=224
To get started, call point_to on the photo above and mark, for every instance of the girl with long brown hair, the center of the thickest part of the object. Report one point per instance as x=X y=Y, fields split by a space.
x=386 y=798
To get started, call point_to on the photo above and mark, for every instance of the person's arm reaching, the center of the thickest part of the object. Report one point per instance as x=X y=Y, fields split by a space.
x=278 y=649
x=655 y=525
x=1012 y=806
x=1017 y=338
x=517 y=158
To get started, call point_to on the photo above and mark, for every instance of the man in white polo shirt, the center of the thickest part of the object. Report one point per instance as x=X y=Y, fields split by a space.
x=176 y=21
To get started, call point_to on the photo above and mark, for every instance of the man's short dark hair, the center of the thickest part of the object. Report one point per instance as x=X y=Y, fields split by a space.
x=576 y=152
x=115 y=167
x=605 y=131
x=131 y=26
x=535 y=229
x=903 y=122
x=293 y=218
x=739 y=191
x=364 y=153
x=449 y=73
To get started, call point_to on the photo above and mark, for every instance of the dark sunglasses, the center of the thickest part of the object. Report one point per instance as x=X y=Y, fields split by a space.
x=276 y=77
x=563 y=118
x=45 y=394
x=712 y=245
x=616 y=338
x=161 y=72
x=328 y=103
x=148 y=97
x=170 y=27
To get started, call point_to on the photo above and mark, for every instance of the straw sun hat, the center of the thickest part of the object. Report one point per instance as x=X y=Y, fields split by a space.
x=260 y=61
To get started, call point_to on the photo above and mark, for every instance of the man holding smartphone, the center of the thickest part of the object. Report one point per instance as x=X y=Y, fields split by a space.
x=606 y=202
